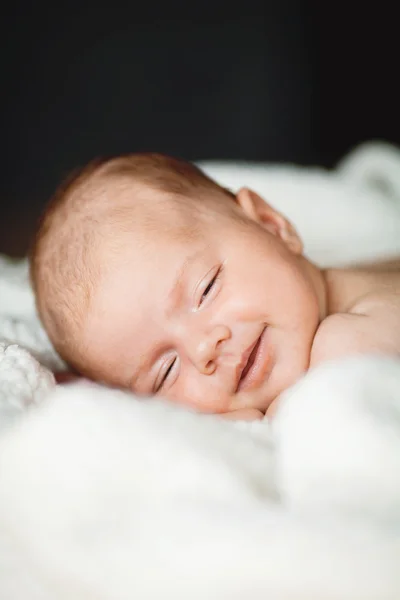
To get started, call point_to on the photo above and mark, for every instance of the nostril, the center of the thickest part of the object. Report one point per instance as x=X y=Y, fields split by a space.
x=209 y=367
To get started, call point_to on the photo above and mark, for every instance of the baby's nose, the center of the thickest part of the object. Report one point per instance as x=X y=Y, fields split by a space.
x=208 y=347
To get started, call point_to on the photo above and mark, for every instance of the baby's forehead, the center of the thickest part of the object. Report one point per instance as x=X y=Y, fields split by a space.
x=154 y=214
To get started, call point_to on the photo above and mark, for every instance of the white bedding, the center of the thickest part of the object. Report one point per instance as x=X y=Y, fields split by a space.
x=104 y=497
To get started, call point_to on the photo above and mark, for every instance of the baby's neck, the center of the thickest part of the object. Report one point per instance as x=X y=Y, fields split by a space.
x=341 y=290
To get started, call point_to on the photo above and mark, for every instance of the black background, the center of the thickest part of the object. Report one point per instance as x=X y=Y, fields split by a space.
x=286 y=81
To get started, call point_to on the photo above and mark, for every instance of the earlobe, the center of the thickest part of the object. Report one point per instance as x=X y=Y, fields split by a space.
x=258 y=210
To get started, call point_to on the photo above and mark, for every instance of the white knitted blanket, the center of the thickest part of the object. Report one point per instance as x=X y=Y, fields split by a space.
x=106 y=497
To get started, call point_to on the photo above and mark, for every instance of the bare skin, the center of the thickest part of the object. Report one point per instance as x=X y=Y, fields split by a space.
x=364 y=312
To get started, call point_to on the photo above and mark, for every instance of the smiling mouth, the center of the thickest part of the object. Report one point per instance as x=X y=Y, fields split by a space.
x=250 y=362
x=253 y=371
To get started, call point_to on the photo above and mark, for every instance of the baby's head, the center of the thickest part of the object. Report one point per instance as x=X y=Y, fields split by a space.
x=148 y=275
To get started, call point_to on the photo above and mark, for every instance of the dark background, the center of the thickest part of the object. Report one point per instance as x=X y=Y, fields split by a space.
x=288 y=81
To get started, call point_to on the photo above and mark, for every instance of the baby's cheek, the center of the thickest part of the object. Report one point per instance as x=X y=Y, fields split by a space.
x=200 y=397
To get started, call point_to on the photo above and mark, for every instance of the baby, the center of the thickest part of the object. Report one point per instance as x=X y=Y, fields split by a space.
x=150 y=276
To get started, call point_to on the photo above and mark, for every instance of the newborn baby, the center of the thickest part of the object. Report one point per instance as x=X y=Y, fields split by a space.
x=150 y=276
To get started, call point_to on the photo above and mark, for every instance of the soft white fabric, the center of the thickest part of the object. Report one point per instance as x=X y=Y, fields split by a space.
x=105 y=497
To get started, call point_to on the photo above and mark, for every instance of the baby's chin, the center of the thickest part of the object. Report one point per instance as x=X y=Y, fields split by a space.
x=271 y=410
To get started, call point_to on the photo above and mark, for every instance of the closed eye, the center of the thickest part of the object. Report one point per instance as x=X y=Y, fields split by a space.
x=209 y=287
x=161 y=384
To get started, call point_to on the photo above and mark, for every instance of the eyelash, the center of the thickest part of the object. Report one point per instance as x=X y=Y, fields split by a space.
x=165 y=376
x=210 y=286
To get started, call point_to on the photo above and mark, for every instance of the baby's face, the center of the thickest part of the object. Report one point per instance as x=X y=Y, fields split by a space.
x=204 y=305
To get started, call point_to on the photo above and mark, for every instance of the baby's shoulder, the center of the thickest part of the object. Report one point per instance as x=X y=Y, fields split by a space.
x=345 y=334
x=369 y=321
x=334 y=336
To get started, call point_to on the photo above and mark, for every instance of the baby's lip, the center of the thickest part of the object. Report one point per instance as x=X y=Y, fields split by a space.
x=251 y=369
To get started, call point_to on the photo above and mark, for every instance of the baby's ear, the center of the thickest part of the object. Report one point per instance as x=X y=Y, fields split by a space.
x=261 y=212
